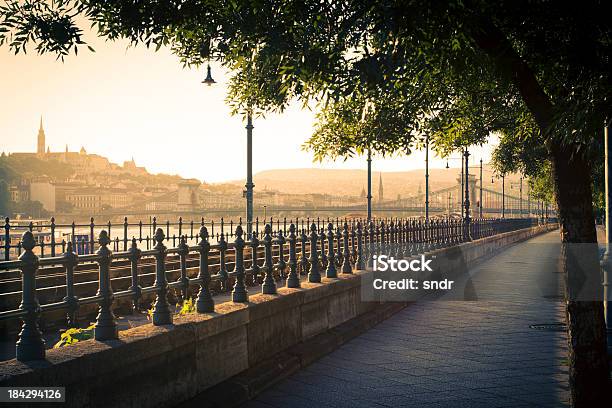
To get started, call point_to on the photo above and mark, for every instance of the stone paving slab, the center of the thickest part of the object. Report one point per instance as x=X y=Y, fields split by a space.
x=450 y=353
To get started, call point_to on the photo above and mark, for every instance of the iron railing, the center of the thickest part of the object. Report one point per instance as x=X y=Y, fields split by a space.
x=52 y=237
x=230 y=265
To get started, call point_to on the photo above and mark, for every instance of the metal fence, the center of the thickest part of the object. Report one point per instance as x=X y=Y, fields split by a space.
x=52 y=238
x=230 y=261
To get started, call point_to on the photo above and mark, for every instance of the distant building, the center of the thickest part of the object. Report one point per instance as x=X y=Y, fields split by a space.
x=40 y=148
x=115 y=198
x=43 y=190
x=20 y=192
x=380 y=188
x=87 y=198
x=131 y=167
x=81 y=161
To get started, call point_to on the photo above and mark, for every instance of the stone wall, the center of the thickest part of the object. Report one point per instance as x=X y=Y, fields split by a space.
x=159 y=366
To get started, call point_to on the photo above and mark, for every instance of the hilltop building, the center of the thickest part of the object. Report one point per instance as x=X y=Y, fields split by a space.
x=40 y=149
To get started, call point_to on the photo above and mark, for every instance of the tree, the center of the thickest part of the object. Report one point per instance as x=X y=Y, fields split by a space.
x=5 y=199
x=387 y=73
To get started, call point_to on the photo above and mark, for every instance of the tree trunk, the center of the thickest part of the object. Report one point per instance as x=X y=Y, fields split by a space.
x=588 y=364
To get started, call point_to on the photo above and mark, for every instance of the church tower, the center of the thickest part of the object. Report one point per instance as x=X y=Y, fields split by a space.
x=380 y=188
x=41 y=139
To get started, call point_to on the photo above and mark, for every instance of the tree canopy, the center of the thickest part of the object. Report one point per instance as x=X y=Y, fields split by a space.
x=385 y=74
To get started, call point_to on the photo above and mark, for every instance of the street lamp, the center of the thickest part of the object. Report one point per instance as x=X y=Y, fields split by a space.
x=520 y=196
x=503 y=209
x=462 y=183
x=427 y=177
x=607 y=258
x=480 y=198
x=248 y=193
x=249 y=181
x=209 y=79
x=503 y=177
x=466 y=233
x=369 y=197
x=482 y=169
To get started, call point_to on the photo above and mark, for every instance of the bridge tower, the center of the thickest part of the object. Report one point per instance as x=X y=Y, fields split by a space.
x=188 y=195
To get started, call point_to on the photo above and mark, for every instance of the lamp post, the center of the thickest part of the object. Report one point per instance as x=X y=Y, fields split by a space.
x=462 y=184
x=503 y=177
x=460 y=158
x=492 y=197
x=480 y=198
x=249 y=181
x=521 y=197
x=369 y=197
x=606 y=261
x=528 y=201
x=466 y=232
x=427 y=177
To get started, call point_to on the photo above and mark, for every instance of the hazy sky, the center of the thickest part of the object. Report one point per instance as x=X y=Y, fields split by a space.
x=121 y=102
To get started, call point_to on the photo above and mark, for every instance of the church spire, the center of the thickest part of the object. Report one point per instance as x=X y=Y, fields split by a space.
x=40 y=148
x=380 y=188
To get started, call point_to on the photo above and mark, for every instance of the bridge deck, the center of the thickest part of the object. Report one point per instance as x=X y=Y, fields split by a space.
x=451 y=353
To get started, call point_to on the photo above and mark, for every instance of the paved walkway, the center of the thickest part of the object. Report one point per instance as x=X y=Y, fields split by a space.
x=451 y=353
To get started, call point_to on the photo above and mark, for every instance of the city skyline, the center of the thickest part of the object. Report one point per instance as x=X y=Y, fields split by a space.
x=165 y=113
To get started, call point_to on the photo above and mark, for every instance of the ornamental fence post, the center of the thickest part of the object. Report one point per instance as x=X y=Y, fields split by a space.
x=331 y=271
x=106 y=326
x=204 y=302
x=314 y=275
x=239 y=294
x=293 y=279
x=135 y=287
x=161 y=308
x=72 y=302
x=346 y=265
x=30 y=345
x=269 y=285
